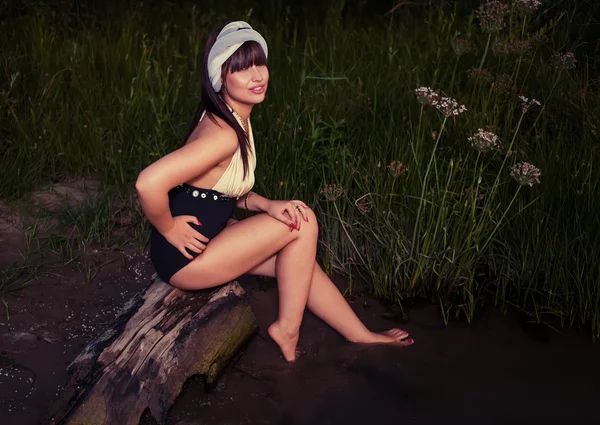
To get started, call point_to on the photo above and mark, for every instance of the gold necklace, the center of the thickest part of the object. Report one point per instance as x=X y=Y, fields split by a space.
x=236 y=115
x=241 y=120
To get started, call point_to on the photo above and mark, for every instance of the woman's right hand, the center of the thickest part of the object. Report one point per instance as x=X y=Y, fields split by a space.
x=182 y=235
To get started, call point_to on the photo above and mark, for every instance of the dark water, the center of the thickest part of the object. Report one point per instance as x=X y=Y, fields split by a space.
x=496 y=371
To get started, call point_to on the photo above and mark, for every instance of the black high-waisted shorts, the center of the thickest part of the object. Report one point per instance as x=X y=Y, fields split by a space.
x=212 y=208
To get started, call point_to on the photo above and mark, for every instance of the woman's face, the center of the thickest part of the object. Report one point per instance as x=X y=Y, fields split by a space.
x=248 y=85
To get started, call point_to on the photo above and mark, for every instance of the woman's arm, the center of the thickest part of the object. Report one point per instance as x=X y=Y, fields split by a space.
x=255 y=202
x=156 y=208
x=208 y=149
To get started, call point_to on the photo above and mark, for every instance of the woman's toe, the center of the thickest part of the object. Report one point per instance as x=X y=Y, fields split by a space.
x=406 y=342
x=397 y=333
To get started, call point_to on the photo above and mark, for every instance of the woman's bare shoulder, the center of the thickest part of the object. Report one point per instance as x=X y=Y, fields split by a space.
x=209 y=132
x=206 y=147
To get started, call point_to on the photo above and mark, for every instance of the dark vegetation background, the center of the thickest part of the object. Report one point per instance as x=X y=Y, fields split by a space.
x=105 y=88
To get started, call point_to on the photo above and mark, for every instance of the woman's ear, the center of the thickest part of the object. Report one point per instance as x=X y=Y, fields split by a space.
x=223 y=88
x=222 y=83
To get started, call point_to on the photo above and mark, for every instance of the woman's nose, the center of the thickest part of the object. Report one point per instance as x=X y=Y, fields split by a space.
x=256 y=74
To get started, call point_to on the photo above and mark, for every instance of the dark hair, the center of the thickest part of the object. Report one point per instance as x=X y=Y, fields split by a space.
x=250 y=53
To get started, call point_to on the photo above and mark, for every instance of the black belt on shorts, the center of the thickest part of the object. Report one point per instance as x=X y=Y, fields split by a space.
x=198 y=192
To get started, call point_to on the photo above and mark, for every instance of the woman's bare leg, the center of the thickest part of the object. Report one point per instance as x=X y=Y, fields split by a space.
x=294 y=269
x=242 y=246
x=327 y=302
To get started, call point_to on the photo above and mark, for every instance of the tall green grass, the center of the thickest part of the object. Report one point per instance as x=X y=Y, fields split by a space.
x=112 y=94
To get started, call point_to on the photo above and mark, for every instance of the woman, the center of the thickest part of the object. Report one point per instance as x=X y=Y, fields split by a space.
x=196 y=243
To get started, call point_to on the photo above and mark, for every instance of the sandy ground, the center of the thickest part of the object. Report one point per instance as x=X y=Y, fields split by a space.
x=498 y=370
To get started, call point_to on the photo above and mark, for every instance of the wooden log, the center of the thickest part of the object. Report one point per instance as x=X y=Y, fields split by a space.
x=160 y=338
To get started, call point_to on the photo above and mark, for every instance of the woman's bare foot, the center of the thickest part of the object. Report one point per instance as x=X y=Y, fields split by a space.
x=393 y=336
x=287 y=342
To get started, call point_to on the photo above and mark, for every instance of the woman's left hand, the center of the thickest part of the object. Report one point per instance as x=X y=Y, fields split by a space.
x=294 y=209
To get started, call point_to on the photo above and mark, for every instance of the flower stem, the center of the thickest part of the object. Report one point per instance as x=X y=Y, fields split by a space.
x=547 y=100
x=423 y=186
x=391 y=195
x=348 y=235
x=493 y=232
x=485 y=51
x=454 y=73
x=419 y=140
x=506 y=155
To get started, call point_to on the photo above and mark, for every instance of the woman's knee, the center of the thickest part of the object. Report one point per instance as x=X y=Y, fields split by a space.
x=309 y=214
x=312 y=224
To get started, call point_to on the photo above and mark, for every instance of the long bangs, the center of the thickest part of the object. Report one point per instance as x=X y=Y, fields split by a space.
x=250 y=53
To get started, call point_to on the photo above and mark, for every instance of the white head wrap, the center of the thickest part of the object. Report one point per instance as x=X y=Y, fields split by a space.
x=231 y=37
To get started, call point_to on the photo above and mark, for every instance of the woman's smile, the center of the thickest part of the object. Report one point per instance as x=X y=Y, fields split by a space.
x=258 y=89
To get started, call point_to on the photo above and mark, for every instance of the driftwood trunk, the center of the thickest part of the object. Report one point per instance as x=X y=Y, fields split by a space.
x=160 y=338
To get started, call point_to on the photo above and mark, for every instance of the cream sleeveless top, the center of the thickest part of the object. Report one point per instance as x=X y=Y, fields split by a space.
x=231 y=182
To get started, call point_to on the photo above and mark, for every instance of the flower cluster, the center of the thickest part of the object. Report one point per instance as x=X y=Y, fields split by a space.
x=527 y=6
x=462 y=46
x=501 y=48
x=474 y=193
x=491 y=16
x=426 y=96
x=363 y=204
x=503 y=84
x=482 y=75
x=332 y=191
x=448 y=107
x=538 y=39
x=484 y=141
x=527 y=104
x=519 y=47
x=564 y=60
x=397 y=168
x=525 y=173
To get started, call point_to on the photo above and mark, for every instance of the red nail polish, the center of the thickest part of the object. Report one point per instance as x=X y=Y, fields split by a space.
x=306 y=219
x=410 y=341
